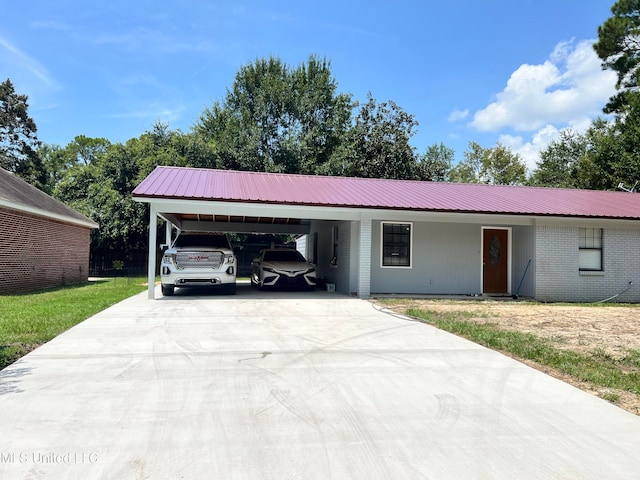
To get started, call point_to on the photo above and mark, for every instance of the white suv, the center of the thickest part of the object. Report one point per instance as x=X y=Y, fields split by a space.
x=197 y=259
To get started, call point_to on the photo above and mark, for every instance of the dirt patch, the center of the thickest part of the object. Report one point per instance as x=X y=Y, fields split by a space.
x=602 y=330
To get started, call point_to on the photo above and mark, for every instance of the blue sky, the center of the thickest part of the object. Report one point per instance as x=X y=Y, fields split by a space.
x=509 y=71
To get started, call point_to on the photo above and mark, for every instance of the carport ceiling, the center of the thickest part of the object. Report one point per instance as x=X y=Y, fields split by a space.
x=236 y=223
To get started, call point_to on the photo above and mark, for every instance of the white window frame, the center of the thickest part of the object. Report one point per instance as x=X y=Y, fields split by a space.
x=599 y=249
x=382 y=265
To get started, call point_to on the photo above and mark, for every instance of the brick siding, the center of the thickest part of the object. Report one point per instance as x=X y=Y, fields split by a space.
x=37 y=252
x=558 y=277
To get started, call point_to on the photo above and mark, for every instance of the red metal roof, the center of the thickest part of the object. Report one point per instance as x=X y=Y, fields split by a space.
x=276 y=188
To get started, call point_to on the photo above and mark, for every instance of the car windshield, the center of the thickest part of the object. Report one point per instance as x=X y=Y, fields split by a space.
x=283 y=256
x=201 y=240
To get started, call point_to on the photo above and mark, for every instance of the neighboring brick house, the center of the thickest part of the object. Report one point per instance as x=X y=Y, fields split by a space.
x=43 y=243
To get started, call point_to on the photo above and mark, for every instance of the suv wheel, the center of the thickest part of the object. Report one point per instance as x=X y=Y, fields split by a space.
x=167 y=290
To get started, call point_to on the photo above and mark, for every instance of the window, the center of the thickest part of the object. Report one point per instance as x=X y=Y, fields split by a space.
x=396 y=244
x=590 y=258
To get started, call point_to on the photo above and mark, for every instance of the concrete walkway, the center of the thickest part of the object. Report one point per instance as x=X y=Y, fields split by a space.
x=294 y=386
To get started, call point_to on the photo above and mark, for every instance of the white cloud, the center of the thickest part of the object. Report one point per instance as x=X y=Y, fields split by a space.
x=568 y=90
x=153 y=111
x=20 y=60
x=529 y=150
x=569 y=85
x=458 y=115
x=50 y=25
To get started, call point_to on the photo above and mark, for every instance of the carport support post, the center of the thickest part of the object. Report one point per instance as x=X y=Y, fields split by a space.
x=153 y=239
x=364 y=260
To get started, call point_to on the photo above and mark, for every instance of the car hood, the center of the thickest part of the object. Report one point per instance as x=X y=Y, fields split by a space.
x=288 y=266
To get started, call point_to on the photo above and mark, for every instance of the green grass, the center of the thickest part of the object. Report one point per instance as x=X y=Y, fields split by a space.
x=598 y=368
x=31 y=319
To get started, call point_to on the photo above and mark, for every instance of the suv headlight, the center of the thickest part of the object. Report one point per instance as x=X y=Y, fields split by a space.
x=229 y=258
x=169 y=258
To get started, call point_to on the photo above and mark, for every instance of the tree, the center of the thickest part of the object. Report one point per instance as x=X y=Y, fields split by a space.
x=469 y=169
x=500 y=166
x=562 y=161
x=278 y=119
x=18 y=136
x=86 y=150
x=378 y=142
x=614 y=150
x=495 y=166
x=97 y=178
x=55 y=163
x=435 y=164
x=619 y=50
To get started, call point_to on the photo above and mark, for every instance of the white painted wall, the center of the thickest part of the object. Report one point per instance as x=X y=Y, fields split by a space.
x=446 y=260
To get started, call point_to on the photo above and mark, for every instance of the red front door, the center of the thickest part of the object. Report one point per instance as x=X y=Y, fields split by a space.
x=495 y=257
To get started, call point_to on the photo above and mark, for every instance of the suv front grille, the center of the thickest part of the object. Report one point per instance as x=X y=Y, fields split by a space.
x=199 y=260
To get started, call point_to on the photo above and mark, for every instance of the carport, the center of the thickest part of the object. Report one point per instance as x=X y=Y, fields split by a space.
x=243 y=202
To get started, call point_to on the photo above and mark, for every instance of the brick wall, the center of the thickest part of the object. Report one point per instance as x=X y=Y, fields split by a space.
x=36 y=252
x=557 y=272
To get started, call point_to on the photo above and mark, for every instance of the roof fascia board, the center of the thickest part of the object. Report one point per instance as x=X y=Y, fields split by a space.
x=43 y=213
x=248 y=209
x=588 y=222
x=452 y=217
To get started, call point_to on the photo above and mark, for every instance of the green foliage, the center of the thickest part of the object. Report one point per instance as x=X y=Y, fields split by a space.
x=435 y=163
x=500 y=166
x=378 y=143
x=619 y=50
x=97 y=178
x=468 y=170
x=561 y=161
x=85 y=150
x=18 y=137
x=624 y=143
x=495 y=166
x=612 y=151
x=278 y=119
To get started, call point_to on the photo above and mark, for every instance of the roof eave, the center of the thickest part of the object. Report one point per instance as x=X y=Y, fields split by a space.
x=44 y=213
x=164 y=200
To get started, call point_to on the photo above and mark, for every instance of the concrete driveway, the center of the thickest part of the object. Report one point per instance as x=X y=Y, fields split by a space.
x=294 y=386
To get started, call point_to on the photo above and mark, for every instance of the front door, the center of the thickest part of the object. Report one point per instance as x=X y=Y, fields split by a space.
x=495 y=257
